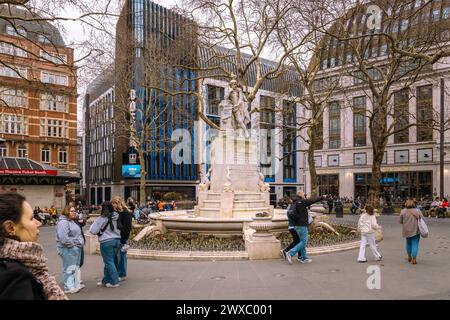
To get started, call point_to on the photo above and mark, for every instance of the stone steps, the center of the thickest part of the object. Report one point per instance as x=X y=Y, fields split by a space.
x=247 y=196
x=248 y=204
x=212 y=203
x=248 y=210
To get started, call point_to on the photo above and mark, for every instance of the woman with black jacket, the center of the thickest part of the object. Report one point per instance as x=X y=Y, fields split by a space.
x=23 y=268
x=124 y=224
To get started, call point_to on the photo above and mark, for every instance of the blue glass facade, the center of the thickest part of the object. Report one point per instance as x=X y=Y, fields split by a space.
x=151 y=22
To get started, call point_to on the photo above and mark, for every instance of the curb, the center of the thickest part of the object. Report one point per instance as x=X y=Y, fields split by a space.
x=225 y=255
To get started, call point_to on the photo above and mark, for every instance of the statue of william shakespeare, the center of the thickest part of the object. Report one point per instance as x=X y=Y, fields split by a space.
x=234 y=110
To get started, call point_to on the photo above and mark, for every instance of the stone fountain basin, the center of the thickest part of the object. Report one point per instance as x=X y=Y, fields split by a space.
x=186 y=222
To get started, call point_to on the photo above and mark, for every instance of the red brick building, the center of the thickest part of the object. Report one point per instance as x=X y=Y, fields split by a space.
x=38 y=92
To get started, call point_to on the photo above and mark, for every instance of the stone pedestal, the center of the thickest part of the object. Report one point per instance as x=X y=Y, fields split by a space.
x=262 y=244
x=91 y=245
x=234 y=161
x=236 y=188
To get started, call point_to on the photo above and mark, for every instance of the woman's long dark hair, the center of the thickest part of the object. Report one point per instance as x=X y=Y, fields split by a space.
x=107 y=211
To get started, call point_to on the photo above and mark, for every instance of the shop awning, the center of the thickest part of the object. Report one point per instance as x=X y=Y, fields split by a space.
x=14 y=167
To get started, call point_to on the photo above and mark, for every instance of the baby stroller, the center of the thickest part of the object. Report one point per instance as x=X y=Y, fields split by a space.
x=143 y=216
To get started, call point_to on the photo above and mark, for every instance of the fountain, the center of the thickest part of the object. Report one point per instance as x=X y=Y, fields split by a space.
x=233 y=199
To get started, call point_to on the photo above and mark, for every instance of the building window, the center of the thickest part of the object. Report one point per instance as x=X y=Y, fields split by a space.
x=43 y=39
x=436 y=14
x=13 y=124
x=11 y=97
x=50 y=102
x=11 y=50
x=334 y=125
x=16 y=31
x=424 y=113
x=267 y=139
x=445 y=13
x=318 y=161
x=404 y=24
x=360 y=159
x=53 y=57
x=289 y=145
x=22 y=151
x=333 y=160
x=359 y=121
x=45 y=154
x=328 y=184
x=54 y=78
x=401 y=156
x=13 y=72
x=3 y=150
x=401 y=116
x=215 y=95
x=54 y=128
x=62 y=155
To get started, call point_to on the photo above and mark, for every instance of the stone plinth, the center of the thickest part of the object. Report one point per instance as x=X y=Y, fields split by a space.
x=91 y=245
x=258 y=248
x=236 y=188
x=262 y=244
x=234 y=162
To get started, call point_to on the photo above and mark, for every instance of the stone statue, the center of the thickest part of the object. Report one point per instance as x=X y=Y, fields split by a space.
x=263 y=186
x=234 y=114
x=227 y=186
x=205 y=182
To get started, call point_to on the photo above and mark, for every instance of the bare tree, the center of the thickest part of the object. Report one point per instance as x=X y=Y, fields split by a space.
x=384 y=60
x=303 y=29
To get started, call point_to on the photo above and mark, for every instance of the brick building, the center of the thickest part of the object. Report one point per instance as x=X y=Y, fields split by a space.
x=38 y=92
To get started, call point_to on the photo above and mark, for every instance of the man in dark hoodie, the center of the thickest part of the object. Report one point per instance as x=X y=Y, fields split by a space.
x=300 y=221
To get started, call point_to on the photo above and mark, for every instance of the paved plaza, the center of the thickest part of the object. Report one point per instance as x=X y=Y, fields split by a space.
x=331 y=276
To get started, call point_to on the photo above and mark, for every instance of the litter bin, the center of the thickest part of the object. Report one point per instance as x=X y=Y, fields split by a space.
x=339 y=209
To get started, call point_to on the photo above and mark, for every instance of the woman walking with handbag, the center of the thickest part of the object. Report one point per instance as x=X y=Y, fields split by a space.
x=368 y=226
x=409 y=218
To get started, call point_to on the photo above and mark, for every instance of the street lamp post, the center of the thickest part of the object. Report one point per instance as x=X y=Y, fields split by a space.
x=441 y=142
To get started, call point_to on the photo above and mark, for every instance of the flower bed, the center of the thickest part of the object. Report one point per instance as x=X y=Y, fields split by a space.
x=198 y=242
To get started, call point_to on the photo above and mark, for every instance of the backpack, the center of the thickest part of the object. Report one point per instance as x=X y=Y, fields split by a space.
x=292 y=214
x=110 y=223
x=291 y=209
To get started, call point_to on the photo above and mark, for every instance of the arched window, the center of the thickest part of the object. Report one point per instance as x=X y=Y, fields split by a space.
x=45 y=154
x=22 y=151
x=62 y=155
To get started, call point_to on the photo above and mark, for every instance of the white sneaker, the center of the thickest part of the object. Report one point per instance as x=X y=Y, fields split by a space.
x=100 y=284
x=122 y=278
x=71 y=291
x=288 y=257
x=307 y=260
x=82 y=286
x=109 y=285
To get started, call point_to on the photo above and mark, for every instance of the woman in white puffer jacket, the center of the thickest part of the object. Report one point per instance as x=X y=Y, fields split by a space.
x=367 y=225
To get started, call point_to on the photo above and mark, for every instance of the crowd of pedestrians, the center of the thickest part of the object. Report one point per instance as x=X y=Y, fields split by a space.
x=24 y=273
x=299 y=220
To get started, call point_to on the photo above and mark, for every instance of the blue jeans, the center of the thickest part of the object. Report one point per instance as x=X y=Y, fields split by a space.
x=122 y=263
x=412 y=246
x=71 y=261
x=301 y=246
x=109 y=250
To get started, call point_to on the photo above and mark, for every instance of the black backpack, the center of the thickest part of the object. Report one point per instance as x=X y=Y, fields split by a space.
x=111 y=224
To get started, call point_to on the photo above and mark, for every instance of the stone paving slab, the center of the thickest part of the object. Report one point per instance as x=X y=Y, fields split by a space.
x=330 y=276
